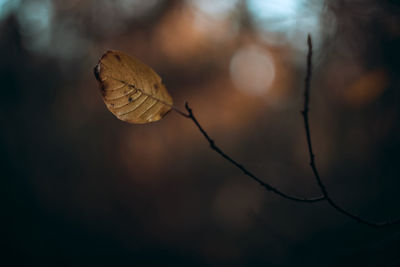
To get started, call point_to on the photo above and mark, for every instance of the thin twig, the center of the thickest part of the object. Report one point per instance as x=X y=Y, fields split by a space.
x=214 y=147
x=307 y=86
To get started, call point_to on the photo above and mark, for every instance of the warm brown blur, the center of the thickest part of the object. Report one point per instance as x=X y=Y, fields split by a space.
x=84 y=188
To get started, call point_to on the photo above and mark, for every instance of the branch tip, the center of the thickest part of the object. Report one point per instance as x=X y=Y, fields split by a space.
x=309 y=42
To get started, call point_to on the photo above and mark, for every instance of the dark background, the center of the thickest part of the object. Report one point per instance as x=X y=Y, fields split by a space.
x=81 y=188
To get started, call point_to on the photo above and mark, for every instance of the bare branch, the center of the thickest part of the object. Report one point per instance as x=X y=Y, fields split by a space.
x=213 y=146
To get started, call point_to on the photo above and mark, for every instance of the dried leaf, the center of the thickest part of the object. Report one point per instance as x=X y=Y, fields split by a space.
x=131 y=90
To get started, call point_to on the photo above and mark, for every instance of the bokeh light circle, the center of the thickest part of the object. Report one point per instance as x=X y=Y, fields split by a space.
x=252 y=70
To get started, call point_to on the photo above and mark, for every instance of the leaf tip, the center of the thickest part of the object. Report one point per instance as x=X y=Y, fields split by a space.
x=96 y=71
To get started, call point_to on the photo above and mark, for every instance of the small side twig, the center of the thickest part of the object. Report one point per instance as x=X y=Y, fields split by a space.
x=305 y=111
x=307 y=86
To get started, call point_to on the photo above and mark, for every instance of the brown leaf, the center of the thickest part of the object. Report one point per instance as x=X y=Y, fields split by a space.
x=131 y=90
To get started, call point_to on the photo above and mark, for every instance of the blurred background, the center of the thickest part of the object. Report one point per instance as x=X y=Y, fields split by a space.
x=81 y=188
